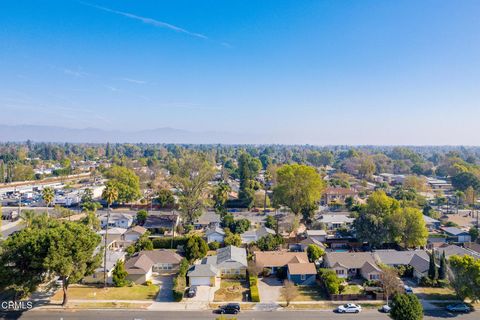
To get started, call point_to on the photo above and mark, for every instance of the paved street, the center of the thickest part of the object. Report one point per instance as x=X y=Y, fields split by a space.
x=208 y=315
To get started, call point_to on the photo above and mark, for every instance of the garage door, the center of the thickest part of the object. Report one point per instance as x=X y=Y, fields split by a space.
x=199 y=281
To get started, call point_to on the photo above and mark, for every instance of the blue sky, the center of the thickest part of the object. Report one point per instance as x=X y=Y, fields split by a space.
x=298 y=71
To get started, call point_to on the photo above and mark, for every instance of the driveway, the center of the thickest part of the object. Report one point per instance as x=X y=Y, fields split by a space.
x=205 y=293
x=165 y=282
x=270 y=289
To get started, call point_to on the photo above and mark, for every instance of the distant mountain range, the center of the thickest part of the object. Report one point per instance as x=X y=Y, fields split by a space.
x=36 y=133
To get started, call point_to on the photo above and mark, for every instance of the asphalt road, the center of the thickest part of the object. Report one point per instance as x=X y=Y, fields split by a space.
x=208 y=315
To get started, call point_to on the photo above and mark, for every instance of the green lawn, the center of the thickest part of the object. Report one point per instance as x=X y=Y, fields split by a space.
x=310 y=293
x=352 y=289
x=135 y=292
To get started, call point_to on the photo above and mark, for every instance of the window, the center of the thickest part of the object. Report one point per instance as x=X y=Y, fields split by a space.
x=303 y=277
x=339 y=272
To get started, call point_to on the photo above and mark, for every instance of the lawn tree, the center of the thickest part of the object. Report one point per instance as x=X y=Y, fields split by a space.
x=87 y=195
x=408 y=227
x=71 y=253
x=299 y=187
x=119 y=274
x=270 y=242
x=406 y=307
x=22 y=261
x=126 y=182
x=165 y=198
x=391 y=283
x=248 y=169
x=48 y=195
x=314 y=252
x=196 y=248
x=464 y=276
x=141 y=217
x=232 y=239
x=191 y=181
x=289 y=291
x=110 y=195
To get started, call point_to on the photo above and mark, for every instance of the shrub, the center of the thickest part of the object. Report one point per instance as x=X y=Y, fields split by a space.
x=149 y=283
x=166 y=243
x=182 y=270
x=179 y=286
x=214 y=245
x=406 y=307
x=331 y=281
x=254 y=295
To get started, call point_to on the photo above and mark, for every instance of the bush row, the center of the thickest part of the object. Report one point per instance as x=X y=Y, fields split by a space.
x=255 y=296
x=180 y=281
x=166 y=243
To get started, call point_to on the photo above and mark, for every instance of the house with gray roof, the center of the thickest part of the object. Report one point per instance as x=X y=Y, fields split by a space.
x=229 y=262
x=454 y=250
x=215 y=234
x=417 y=259
x=334 y=221
x=457 y=235
x=352 y=264
x=141 y=266
x=254 y=235
x=430 y=223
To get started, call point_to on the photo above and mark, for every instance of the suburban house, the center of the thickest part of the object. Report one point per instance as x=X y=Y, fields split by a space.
x=113 y=233
x=142 y=265
x=159 y=223
x=457 y=235
x=318 y=235
x=337 y=195
x=333 y=221
x=417 y=259
x=298 y=269
x=215 y=234
x=431 y=224
x=134 y=233
x=119 y=220
x=352 y=264
x=253 y=235
x=303 y=245
x=112 y=259
x=438 y=184
x=454 y=250
x=229 y=262
x=207 y=219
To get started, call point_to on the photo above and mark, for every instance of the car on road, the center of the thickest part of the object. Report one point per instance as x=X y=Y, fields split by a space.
x=231 y=308
x=408 y=290
x=349 y=308
x=459 y=307
x=385 y=308
x=192 y=292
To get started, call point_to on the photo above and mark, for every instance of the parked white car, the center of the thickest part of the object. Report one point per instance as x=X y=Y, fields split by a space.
x=349 y=308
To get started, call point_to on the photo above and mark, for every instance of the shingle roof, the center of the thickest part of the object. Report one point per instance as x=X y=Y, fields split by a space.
x=316 y=232
x=215 y=230
x=139 y=264
x=162 y=256
x=203 y=270
x=160 y=221
x=137 y=229
x=394 y=257
x=335 y=218
x=232 y=253
x=279 y=258
x=370 y=267
x=452 y=250
x=454 y=231
x=301 y=268
x=314 y=241
x=350 y=260
x=420 y=264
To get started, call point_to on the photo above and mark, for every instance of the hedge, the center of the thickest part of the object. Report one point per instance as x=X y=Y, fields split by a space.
x=255 y=296
x=166 y=243
x=179 y=286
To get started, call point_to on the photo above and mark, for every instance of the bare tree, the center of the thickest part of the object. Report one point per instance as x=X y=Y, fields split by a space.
x=289 y=291
x=390 y=281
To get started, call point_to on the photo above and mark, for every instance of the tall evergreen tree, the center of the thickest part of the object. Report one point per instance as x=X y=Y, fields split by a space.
x=442 y=271
x=432 y=268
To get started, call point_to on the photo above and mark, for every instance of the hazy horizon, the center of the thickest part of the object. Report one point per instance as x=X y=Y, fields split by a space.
x=286 y=72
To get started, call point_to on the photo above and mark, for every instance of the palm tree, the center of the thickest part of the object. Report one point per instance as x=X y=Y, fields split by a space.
x=48 y=195
x=109 y=194
x=27 y=217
